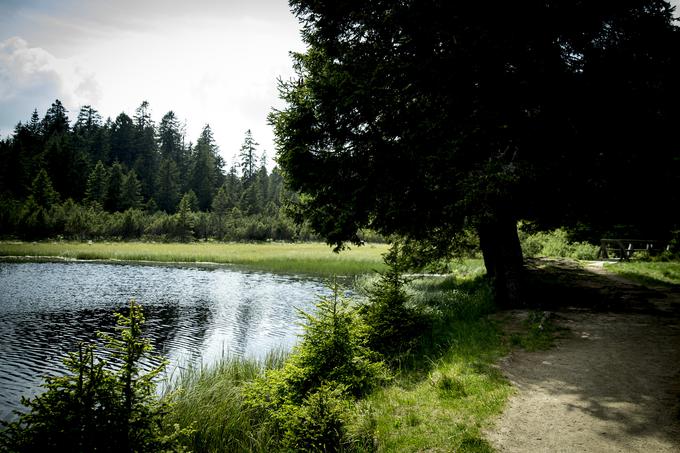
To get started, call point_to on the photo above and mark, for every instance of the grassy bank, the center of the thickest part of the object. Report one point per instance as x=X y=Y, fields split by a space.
x=211 y=399
x=441 y=396
x=448 y=392
x=653 y=273
x=307 y=258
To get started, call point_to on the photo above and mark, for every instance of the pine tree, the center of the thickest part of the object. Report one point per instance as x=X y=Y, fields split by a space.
x=55 y=121
x=88 y=120
x=113 y=195
x=106 y=400
x=221 y=203
x=42 y=191
x=171 y=143
x=97 y=184
x=131 y=191
x=206 y=171
x=145 y=152
x=192 y=200
x=34 y=125
x=123 y=140
x=168 y=185
x=170 y=138
x=185 y=218
x=90 y=136
x=248 y=159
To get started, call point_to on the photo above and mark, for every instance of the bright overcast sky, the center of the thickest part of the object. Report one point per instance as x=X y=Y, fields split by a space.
x=209 y=61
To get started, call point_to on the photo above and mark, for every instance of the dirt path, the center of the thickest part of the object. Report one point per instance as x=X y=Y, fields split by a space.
x=612 y=384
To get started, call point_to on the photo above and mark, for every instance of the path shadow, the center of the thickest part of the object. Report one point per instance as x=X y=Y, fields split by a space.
x=555 y=284
x=616 y=371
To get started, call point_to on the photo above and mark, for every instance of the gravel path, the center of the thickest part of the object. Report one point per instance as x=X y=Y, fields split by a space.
x=611 y=384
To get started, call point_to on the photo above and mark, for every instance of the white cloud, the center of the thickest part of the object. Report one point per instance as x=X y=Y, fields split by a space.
x=23 y=69
x=31 y=77
x=676 y=4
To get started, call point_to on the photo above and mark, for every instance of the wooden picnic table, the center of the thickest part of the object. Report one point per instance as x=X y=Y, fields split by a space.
x=624 y=248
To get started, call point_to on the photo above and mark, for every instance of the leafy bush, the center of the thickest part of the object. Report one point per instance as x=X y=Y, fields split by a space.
x=101 y=405
x=555 y=244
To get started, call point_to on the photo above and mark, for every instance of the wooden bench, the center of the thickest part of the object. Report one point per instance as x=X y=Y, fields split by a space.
x=624 y=248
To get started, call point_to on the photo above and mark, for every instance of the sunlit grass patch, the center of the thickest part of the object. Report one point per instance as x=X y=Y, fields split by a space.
x=667 y=273
x=447 y=407
x=448 y=390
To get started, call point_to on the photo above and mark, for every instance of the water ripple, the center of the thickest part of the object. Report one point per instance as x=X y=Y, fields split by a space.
x=193 y=314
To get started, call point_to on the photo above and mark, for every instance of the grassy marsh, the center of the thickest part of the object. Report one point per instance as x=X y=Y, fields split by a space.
x=306 y=258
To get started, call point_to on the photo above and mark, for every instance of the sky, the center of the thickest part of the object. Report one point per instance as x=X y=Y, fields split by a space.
x=211 y=62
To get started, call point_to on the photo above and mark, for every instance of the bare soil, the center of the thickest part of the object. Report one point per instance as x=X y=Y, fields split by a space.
x=611 y=383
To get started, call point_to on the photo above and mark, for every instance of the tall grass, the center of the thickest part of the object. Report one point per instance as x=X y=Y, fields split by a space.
x=211 y=399
x=442 y=396
x=305 y=258
x=448 y=391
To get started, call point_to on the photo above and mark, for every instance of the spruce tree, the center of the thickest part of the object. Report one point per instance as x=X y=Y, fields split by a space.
x=113 y=196
x=123 y=140
x=248 y=158
x=55 y=121
x=42 y=192
x=145 y=150
x=206 y=171
x=88 y=120
x=97 y=184
x=171 y=143
x=131 y=191
x=221 y=203
x=167 y=185
x=185 y=217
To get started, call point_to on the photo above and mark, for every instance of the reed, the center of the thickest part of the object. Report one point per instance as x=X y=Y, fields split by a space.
x=211 y=399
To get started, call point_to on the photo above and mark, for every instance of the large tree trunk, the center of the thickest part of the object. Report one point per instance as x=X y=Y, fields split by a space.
x=503 y=260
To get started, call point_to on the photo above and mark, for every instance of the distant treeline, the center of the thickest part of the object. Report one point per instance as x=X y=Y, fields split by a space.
x=130 y=178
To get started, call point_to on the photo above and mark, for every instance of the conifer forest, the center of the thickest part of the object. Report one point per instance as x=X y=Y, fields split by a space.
x=130 y=178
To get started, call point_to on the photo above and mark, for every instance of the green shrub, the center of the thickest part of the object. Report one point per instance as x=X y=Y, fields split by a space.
x=101 y=404
x=392 y=326
x=555 y=244
x=319 y=424
x=329 y=365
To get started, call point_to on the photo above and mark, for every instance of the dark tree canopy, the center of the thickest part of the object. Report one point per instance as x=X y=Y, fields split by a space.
x=425 y=118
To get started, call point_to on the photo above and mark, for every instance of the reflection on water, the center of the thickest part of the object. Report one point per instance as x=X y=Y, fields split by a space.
x=192 y=314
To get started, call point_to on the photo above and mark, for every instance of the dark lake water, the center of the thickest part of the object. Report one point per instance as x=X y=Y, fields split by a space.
x=193 y=315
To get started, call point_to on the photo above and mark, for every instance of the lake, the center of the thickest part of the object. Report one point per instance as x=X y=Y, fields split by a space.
x=194 y=315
